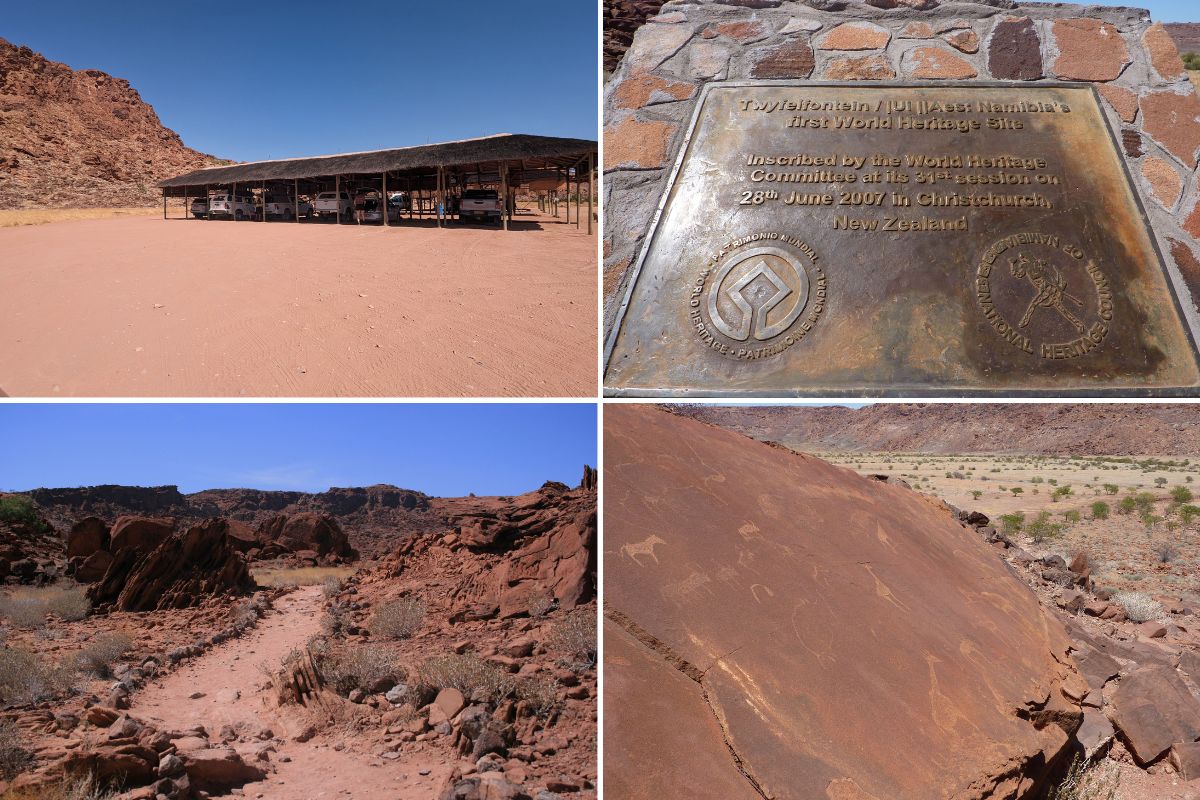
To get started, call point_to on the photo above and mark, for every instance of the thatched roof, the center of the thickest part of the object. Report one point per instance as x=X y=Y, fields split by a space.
x=534 y=151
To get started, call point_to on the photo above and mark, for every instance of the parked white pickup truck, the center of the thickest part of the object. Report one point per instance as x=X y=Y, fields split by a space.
x=200 y=207
x=238 y=207
x=329 y=203
x=480 y=204
x=281 y=206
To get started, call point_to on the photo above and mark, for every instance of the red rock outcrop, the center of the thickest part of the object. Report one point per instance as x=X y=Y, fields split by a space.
x=821 y=634
x=318 y=533
x=86 y=537
x=180 y=572
x=142 y=534
x=80 y=138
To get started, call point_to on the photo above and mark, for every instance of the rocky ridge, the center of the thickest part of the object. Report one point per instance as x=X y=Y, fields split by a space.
x=80 y=138
x=963 y=428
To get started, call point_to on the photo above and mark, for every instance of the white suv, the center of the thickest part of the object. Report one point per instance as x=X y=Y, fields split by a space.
x=330 y=203
x=279 y=205
x=238 y=207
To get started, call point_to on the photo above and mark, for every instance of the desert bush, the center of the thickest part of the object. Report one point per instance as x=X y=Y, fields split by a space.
x=23 y=611
x=298 y=576
x=575 y=638
x=68 y=604
x=24 y=678
x=1139 y=607
x=17 y=509
x=364 y=666
x=976 y=494
x=332 y=586
x=1166 y=553
x=1017 y=490
x=1160 y=481
x=541 y=693
x=468 y=674
x=1187 y=513
x=1071 y=516
x=13 y=755
x=1099 y=510
x=1111 y=488
x=98 y=657
x=1011 y=523
x=400 y=618
x=1037 y=479
x=1181 y=495
x=1087 y=781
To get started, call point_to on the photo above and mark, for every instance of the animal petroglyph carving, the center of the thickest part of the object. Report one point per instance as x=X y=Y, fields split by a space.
x=643 y=548
x=1050 y=289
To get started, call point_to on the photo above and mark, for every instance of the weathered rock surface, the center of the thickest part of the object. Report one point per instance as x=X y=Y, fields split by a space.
x=180 y=572
x=1153 y=709
x=86 y=537
x=319 y=533
x=853 y=639
x=141 y=534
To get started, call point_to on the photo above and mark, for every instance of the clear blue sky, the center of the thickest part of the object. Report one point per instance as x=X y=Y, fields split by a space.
x=446 y=449
x=1168 y=10
x=256 y=80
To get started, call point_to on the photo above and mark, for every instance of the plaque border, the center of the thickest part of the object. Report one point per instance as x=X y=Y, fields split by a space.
x=920 y=392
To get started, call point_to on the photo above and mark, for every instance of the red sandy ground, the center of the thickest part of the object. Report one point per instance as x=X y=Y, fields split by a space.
x=147 y=307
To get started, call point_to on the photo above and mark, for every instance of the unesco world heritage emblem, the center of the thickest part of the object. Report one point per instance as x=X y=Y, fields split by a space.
x=758 y=296
x=1044 y=296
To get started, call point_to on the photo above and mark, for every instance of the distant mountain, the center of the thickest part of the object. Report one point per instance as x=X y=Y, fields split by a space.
x=1186 y=36
x=1028 y=428
x=80 y=138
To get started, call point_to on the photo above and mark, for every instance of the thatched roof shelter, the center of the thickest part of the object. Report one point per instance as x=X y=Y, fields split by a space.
x=523 y=151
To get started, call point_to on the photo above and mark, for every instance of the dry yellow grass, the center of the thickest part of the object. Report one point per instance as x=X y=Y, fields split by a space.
x=299 y=576
x=43 y=216
x=1195 y=76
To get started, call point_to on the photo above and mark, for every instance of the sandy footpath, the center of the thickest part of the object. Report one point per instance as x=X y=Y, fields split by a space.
x=147 y=307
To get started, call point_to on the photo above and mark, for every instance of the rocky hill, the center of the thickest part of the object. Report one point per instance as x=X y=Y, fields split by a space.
x=954 y=428
x=80 y=138
x=1186 y=36
x=377 y=519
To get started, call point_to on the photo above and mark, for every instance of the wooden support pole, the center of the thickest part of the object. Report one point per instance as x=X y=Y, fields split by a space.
x=578 y=207
x=337 y=193
x=186 y=207
x=208 y=203
x=384 y=199
x=233 y=203
x=164 y=203
x=262 y=190
x=439 y=200
x=504 y=193
x=591 y=190
x=296 y=199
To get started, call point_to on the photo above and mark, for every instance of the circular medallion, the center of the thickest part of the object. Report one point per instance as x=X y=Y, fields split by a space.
x=756 y=298
x=1044 y=296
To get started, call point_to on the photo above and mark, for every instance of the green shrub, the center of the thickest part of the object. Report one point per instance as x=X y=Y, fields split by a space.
x=17 y=509
x=1071 y=516
x=1042 y=528
x=1111 y=488
x=1016 y=490
x=1188 y=513
x=1099 y=510
x=1181 y=495
x=1011 y=523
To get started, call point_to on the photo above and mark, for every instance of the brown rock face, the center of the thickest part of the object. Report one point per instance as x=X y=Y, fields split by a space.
x=837 y=636
x=317 y=532
x=1090 y=50
x=792 y=59
x=937 y=63
x=632 y=143
x=865 y=68
x=1123 y=101
x=80 y=137
x=1174 y=122
x=1163 y=53
x=640 y=90
x=855 y=36
x=1165 y=183
x=141 y=534
x=1153 y=709
x=1015 y=53
x=94 y=567
x=180 y=572
x=86 y=537
x=1189 y=265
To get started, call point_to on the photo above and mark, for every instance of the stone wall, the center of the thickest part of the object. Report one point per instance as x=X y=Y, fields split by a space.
x=1133 y=62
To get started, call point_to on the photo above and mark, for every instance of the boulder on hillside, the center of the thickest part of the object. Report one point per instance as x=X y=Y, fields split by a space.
x=243 y=537
x=140 y=534
x=180 y=572
x=1153 y=709
x=86 y=537
x=308 y=531
x=92 y=568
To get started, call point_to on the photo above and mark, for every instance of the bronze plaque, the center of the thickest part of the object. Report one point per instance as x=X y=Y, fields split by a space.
x=956 y=239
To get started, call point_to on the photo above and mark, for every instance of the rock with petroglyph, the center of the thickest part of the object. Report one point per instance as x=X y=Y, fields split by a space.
x=785 y=628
